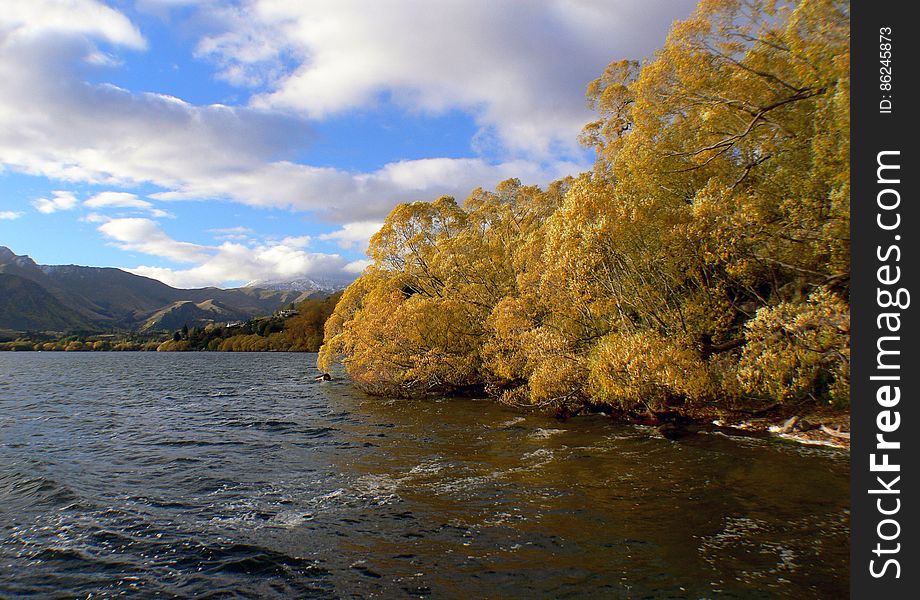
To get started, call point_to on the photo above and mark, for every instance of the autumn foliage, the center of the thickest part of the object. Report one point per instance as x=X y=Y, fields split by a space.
x=703 y=261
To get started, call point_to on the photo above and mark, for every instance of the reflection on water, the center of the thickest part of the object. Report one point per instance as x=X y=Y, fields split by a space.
x=179 y=475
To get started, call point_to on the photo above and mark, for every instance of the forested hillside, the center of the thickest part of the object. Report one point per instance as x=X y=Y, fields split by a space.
x=702 y=262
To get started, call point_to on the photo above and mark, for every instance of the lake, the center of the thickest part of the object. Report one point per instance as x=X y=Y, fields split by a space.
x=235 y=475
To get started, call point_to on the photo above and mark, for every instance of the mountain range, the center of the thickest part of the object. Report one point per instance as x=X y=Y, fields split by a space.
x=329 y=283
x=70 y=298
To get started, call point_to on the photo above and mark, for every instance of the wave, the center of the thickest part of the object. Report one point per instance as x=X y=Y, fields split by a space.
x=19 y=490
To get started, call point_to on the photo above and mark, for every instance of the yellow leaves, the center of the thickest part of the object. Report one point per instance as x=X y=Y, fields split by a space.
x=611 y=97
x=719 y=198
x=796 y=349
x=558 y=382
x=335 y=336
x=409 y=234
x=415 y=322
x=647 y=369
x=733 y=92
x=167 y=346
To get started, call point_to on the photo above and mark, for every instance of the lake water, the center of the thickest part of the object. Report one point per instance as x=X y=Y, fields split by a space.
x=234 y=475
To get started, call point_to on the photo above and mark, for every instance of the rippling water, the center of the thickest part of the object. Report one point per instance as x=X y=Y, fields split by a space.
x=234 y=475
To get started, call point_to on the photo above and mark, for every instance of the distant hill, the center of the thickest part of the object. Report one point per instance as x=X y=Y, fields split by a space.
x=186 y=312
x=63 y=298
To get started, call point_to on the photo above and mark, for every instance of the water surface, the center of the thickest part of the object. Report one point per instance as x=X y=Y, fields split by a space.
x=234 y=475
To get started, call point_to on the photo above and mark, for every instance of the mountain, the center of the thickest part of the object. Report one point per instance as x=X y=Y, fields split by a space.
x=63 y=298
x=25 y=305
x=186 y=312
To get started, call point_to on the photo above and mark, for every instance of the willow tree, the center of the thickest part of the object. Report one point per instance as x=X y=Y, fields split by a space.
x=416 y=321
x=704 y=258
x=728 y=161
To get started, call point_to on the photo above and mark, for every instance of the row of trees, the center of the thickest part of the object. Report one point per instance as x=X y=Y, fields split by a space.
x=76 y=345
x=703 y=260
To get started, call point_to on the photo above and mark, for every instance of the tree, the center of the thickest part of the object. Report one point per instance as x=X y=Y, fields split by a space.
x=709 y=242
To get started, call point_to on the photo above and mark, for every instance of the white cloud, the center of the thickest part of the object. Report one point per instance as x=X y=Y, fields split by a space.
x=356 y=267
x=231 y=233
x=124 y=200
x=117 y=200
x=37 y=18
x=9 y=215
x=345 y=196
x=144 y=235
x=229 y=263
x=61 y=201
x=55 y=125
x=520 y=67
x=103 y=59
x=233 y=264
x=300 y=241
x=359 y=232
x=95 y=217
x=161 y=214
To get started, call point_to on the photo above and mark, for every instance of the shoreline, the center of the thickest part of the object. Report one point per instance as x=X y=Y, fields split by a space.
x=807 y=425
x=833 y=434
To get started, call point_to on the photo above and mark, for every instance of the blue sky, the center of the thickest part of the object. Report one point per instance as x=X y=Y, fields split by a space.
x=220 y=142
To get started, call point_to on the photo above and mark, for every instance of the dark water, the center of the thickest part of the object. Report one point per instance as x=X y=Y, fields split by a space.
x=233 y=475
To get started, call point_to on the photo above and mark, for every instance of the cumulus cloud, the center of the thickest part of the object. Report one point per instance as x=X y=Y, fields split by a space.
x=145 y=235
x=37 y=18
x=344 y=196
x=95 y=217
x=60 y=200
x=225 y=264
x=9 y=215
x=231 y=264
x=54 y=124
x=359 y=232
x=520 y=67
x=355 y=267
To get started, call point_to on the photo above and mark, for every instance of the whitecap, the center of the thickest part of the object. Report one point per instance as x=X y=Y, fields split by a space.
x=542 y=434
